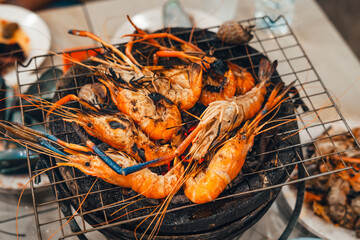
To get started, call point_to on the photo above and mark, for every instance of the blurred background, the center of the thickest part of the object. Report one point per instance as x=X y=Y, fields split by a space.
x=343 y=14
x=346 y=18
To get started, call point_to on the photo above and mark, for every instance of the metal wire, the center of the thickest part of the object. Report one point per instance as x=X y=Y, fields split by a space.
x=275 y=40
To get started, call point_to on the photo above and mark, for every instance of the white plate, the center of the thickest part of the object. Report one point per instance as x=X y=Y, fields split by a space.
x=37 y=31
x=14 y=184
x=312 y=222
x=308 y=218
x=151 y=20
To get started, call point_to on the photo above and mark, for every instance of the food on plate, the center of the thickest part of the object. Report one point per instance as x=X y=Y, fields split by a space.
x=336 y=197
x=14 y=44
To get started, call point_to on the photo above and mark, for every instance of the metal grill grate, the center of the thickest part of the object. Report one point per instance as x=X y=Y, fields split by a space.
x=318 y=113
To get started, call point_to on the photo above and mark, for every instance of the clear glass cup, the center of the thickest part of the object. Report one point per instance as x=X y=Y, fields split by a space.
x=273 y=9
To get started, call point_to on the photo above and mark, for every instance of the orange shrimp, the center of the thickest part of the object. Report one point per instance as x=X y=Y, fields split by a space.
x=223 y=116
x=144 y=182
x=184 y=89
x=181 y=85
x=244 y=80
x=206 y=185
x=219 y=81
x=225 y=82
x=119 y=131
x=226 y=89
x=158 y=117
x=190 y=52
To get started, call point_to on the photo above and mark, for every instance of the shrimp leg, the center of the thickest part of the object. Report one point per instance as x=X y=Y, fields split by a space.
x=68 y=98
x=40 y=138
x=33 y=135
x=161 y=35
x=105 y=44
x=105 y=158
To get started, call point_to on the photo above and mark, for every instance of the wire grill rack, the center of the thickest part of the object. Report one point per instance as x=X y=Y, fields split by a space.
x=275 y=40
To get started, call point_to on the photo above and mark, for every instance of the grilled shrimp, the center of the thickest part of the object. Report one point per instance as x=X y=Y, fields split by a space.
x=225 y=90
x=144 y=182
x=223 y=116
x=119 y=131
x=244 y=80
x=158 y=117
x=184 y=88
x=233 y=78
x=225 y=86
x=191 y=53
x=206 y=185
x=181 y=85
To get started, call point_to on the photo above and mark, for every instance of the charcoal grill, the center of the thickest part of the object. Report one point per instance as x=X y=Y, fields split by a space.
x=248 y=197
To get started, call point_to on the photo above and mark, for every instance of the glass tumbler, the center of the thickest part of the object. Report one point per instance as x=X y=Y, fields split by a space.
x=273 y=9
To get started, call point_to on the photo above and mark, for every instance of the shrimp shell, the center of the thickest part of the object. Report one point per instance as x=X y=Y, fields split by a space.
x=120 y=132
x=226 y=91
x=223 y=168
x=158 y=117
x=222 y=116
x=182 y=86
x=144 y=182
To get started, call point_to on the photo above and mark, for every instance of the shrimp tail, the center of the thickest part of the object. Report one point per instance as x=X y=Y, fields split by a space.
x=266 y=70
x=275 y=96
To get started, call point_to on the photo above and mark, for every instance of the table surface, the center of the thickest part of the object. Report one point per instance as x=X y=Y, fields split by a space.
x=334 y=61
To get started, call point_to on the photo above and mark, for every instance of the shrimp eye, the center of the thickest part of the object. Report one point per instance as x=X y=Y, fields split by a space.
x=243 y=136
x=219 y=67
x=89 y=125
x=116 y=125
x=87 y=164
